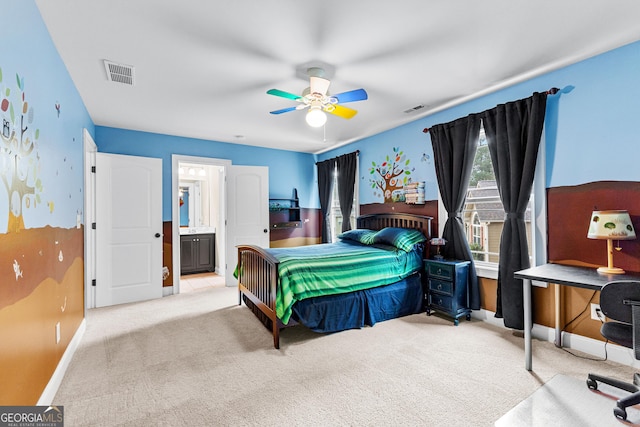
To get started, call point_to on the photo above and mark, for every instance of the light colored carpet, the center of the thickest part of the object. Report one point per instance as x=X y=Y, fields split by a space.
x=199 y=359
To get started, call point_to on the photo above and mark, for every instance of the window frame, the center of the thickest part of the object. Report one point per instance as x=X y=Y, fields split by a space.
x=538 y=220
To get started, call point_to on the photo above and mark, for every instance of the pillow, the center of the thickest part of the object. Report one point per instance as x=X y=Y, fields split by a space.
x=361 y=235
x=401 y=238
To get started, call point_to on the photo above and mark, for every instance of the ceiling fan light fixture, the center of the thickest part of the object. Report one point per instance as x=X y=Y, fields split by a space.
x=316 y=117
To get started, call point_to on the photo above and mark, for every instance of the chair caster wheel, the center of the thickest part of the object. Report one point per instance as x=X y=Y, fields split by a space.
x=592 y=384
x=620 y=413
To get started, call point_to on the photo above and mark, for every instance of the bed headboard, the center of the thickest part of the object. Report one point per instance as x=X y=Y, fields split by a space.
x=380 y=221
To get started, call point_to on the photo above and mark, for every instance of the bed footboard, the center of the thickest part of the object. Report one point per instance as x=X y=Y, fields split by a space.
x=257 y=278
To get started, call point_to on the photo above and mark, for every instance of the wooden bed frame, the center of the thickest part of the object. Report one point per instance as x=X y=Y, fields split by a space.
x=258 y=270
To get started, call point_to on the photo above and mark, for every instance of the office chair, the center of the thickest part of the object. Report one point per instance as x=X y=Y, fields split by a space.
x=620 y=302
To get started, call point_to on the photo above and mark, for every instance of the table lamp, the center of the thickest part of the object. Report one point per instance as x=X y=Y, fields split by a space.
x=611 y=225
x=437 y=242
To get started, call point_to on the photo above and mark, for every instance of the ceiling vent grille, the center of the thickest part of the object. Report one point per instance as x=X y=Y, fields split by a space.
x=119 y=73
x=416 y=108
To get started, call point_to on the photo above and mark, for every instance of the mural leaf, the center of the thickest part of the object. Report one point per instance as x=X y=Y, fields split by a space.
x=18 y=80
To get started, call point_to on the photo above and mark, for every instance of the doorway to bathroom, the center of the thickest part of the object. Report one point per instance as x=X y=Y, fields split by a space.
x=199 y=232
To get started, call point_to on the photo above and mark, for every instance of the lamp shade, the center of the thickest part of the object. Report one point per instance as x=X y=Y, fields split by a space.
x=614 y=225
x=316 y=117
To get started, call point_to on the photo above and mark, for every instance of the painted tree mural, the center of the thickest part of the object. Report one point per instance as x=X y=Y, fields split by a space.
x=19 y=158
x=391 y=174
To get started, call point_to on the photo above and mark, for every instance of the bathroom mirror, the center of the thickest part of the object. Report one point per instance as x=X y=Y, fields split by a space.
x=194 y=204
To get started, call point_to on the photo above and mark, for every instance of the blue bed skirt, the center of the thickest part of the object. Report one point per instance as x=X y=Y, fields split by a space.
x=362 y=308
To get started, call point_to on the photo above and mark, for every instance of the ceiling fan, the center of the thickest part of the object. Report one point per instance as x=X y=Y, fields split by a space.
x=317 y=98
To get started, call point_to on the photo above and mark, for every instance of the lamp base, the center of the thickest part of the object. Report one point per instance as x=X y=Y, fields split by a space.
x=610 y=270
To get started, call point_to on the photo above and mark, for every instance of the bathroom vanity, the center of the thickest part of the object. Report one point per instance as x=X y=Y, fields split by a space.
x=197 y=251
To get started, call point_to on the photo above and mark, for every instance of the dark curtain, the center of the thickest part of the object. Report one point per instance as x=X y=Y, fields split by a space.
x=454 y=148
x=346 y=165
x=325 y=188
x=513 y=133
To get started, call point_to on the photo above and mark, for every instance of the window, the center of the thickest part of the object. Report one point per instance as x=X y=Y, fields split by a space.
x=335 y=213
x=483 y=214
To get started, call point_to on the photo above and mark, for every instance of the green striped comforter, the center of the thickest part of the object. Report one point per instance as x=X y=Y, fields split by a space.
x=335 y=268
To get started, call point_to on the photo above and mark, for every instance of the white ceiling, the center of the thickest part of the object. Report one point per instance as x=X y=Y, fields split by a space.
x=202 y=67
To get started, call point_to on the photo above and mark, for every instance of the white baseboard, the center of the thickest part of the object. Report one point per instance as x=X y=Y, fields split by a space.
x=56 y=379
x=167 y=290
x=595 y=348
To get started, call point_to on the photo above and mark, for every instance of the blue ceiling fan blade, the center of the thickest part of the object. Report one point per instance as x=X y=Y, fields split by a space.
x=351 y=96
x=284 y=110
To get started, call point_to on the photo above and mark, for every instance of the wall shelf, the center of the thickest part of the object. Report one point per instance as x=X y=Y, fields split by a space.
x=285 y=213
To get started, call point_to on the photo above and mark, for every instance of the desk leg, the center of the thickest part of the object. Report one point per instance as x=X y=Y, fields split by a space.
x=558 y=337
x=528 y=323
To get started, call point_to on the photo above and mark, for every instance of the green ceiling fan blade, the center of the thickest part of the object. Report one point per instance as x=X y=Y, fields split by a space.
x=283 y=94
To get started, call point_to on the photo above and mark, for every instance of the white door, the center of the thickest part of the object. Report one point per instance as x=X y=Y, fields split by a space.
x=90 y=150
x=129 y=229
x=247 y=212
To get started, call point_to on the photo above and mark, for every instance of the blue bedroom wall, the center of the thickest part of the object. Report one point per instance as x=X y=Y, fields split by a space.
x=590 y=128
x=54 y=119
x=287 y=169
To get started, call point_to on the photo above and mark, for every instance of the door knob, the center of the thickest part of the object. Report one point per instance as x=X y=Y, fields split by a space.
x=158 y=235
x=265 y=231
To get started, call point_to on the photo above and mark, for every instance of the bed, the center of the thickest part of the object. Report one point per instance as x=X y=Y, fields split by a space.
x=378 y=278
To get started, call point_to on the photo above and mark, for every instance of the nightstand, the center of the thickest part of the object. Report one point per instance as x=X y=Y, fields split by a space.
x=446 y=288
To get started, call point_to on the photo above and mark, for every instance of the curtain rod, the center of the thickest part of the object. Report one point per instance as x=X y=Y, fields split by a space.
x=551 y=91
x=357 y=154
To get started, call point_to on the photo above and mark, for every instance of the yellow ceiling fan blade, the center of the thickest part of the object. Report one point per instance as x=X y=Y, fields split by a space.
x=340 y=111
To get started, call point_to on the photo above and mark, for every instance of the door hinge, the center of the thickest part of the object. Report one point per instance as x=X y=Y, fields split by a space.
x=93 y=169
x=93 y=225
x=93 y=282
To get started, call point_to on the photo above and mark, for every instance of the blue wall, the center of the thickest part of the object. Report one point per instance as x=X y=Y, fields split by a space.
x=287 y=169
x=590 y=128
x=55 y=166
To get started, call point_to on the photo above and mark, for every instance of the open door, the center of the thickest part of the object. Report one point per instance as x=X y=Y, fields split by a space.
x=247 y=212
x=128 y=229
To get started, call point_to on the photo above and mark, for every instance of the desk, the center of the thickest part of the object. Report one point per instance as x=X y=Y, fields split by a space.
x=578 y=277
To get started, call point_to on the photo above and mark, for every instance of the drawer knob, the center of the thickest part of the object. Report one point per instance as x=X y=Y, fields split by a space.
x=439 y=286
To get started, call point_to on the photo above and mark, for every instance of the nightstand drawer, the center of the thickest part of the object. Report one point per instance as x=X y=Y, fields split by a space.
x=442 y=271
x=442 y=302
x=441 y=287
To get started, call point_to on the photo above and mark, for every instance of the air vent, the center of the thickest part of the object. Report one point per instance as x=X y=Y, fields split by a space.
x=416 y=108
x=119 y=73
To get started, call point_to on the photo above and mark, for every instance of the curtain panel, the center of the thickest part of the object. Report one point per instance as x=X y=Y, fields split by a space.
x=513 y=132
x=346 y=166
x=454 y=149
x=325 y=189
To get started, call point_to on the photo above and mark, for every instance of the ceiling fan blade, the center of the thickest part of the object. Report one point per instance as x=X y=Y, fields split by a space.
x=284 y=110
x=351 y=96
x=319 y=85
x=340 y=111
x=283 y=94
